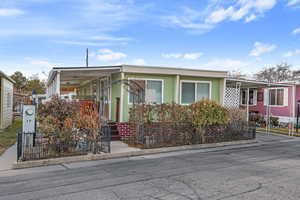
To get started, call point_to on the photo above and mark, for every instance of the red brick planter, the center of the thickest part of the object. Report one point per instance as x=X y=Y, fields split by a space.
x=124 y=130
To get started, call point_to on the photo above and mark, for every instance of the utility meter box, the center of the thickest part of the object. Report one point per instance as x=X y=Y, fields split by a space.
x=28 y=119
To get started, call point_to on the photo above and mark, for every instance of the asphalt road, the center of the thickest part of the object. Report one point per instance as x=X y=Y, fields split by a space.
x=269 y=171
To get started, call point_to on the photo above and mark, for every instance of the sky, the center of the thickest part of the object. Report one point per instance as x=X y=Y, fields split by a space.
x=240 y=35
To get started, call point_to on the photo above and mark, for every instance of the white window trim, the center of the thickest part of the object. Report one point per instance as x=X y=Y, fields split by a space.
x=149 y=79
x=256 y=93
x=274 y=88
x=191 y=81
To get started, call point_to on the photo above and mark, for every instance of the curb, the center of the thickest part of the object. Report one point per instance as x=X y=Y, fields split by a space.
x=279 y=134
x=90 y=157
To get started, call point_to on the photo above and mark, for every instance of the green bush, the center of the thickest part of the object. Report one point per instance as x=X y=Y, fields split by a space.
x=208 y=113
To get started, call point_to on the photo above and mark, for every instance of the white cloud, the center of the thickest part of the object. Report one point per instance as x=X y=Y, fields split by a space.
x=219 y=15
x=192 y=56
x=7 y=12
x=82 y=43
x=226 y=63
x=250 y=18
x=113 y=14
x=85 y=18
x=296 y=31
x=187 y=56
x=260 y=48
x=201 y=21
x=38 y=62
x=292 y=53
x=108 y=55
x=293 y=2
x=189 y=19
x=100 y=40
x=172 y=55
x=139 y=61
x=242 y=9
x=109 y=38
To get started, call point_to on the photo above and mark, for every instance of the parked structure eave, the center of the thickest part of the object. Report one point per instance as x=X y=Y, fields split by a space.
x=6 y=77
x=173 y=71
x=254 y=83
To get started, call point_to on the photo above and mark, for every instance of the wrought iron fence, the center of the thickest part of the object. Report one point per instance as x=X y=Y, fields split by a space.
x=155 y=135
x=43 y=146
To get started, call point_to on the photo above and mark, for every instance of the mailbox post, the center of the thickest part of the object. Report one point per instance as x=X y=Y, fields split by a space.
x=29 y=125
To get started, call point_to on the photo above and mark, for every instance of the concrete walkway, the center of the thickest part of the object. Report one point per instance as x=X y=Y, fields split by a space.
x=8 y=158
x=121 y=147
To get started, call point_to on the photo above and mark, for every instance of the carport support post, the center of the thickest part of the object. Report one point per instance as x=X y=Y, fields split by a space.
x=248 y=92
x=293 y=108
x=58 y=83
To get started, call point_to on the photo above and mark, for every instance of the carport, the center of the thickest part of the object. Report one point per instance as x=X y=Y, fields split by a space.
x=244 y=93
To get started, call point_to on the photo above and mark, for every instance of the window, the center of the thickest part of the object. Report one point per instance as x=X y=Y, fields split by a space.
x=153 y=91
x=276 y=97
x=252 y=96
x=194 y=91
x=8 y=99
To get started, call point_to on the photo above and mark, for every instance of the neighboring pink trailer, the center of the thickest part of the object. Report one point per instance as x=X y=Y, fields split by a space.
x=281 y=103
x=268 y=99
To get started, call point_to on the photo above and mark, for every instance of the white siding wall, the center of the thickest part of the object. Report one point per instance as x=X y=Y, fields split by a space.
x=6 y=103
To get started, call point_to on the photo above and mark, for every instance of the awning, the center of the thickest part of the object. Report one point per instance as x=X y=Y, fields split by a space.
x=75 y=76
x=243 y=83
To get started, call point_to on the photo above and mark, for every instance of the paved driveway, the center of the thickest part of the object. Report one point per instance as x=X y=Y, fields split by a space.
x=270 y=171
x=264 y=137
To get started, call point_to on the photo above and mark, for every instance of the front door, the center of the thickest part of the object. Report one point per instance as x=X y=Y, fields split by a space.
x=118 y=109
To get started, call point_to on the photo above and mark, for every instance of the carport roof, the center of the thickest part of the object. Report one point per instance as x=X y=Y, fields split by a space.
x=7 y=77
x=76 y=73
x=255 y=84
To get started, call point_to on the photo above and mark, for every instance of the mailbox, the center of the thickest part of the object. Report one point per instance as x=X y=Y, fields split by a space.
x=28 y=119
x=28 y=124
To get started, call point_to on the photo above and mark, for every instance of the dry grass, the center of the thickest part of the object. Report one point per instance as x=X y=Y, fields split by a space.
x=9 y=136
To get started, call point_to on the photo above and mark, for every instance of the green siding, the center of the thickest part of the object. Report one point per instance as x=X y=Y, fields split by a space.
x=169 y=88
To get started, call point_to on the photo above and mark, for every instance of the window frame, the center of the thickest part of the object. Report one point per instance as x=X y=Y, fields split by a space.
x=195 y=82
x=148 y=79
x=254 y=93
x=276 y=93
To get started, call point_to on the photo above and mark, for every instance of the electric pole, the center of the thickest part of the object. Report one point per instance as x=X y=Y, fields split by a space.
x=87 y=57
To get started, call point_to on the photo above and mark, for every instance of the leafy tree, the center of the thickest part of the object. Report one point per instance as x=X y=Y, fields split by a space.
x=36 y=85
x=20 y=80
x=281 y=72
x=236 y=74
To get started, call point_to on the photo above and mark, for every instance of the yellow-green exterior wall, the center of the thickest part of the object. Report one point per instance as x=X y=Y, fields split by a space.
x=169 y=90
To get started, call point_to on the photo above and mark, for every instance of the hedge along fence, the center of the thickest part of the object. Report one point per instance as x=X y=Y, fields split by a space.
x=65 y=128
x=173 y=125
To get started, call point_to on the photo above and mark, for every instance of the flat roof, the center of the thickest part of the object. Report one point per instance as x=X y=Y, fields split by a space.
x=255 y=83
x=143 y=70
x=7 y=77
x=139 y=66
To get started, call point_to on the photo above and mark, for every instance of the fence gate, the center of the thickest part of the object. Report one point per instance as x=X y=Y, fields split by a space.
x=105 y=134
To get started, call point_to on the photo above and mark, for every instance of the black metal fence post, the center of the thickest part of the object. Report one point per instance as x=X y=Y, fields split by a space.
x=19 y=146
